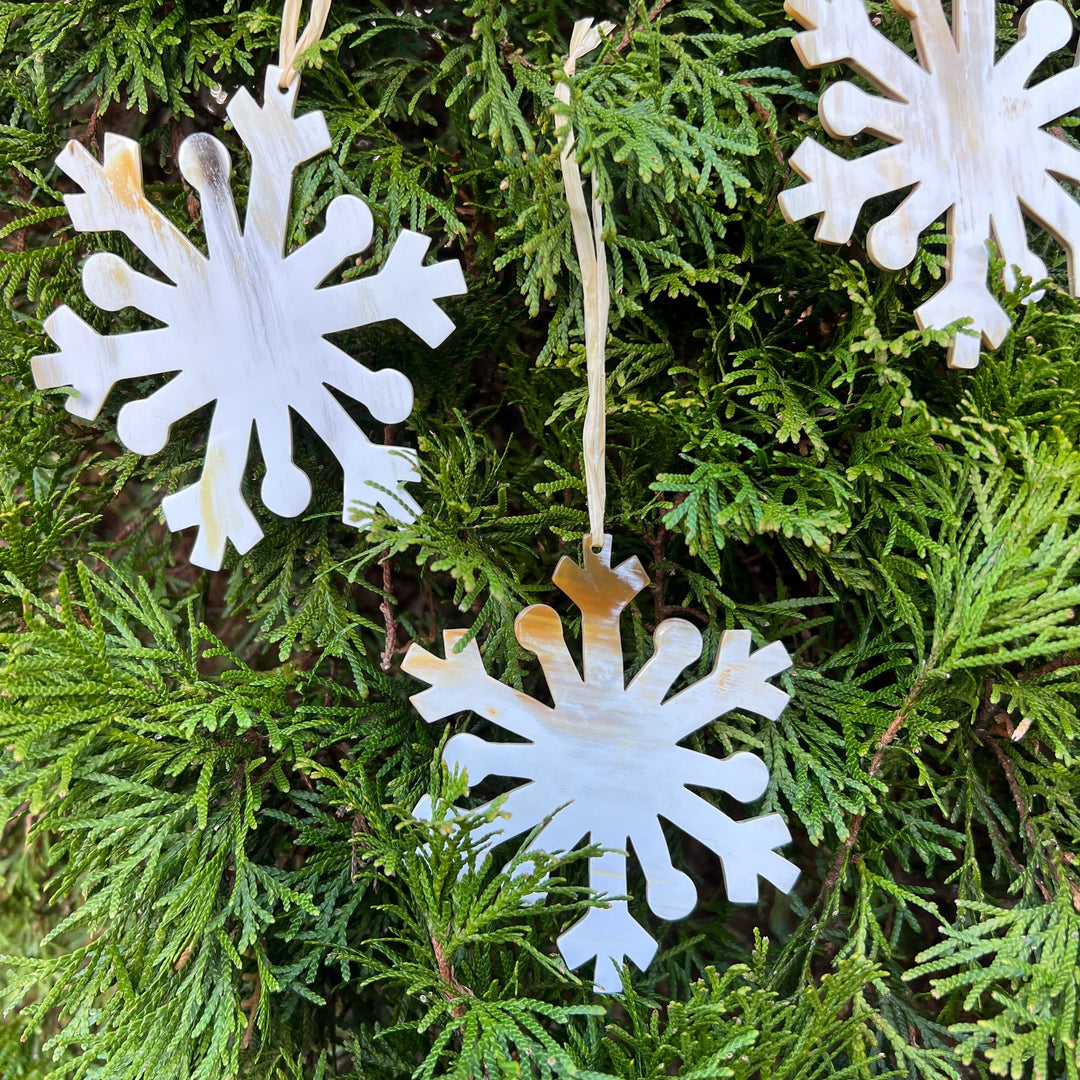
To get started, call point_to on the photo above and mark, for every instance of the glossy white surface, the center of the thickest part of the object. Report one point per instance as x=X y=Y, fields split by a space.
x=245 y=324
x=966 y=133
x=607 y=754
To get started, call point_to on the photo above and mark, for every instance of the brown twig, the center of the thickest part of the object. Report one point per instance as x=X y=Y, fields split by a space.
x=89 y=136
x=1021 y=806
x=387 y=610
x=986 y=736
x=359 y=825
x=999 y=836
x=386 y=607
x=512 y=55
x=653 y=16
x=1046 y=669
x=18 y=241
x=253 y=1003
x=763 y=115
x=446 y=973
x=887 y=738
x=656 y=543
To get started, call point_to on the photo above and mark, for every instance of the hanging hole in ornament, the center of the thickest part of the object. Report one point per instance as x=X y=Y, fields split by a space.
x=603 y=549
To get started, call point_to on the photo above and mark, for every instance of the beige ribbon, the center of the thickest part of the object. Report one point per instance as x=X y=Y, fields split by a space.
x=293 y=43
x=592 y=258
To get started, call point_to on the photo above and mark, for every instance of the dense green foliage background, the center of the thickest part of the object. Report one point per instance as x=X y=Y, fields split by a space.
x=208 y=865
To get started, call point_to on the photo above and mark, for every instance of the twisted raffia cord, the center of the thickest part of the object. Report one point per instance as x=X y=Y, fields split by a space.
x=293 y=43
x=592 y=258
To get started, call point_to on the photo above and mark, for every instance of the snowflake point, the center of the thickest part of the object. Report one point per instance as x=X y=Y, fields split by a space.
x=285 y=489
x=538 y=625
x=450 y=680
x=1049 y=24
x=608 y=934
x=110 y=283
x=743 y=775
x=205 y=163
x=676 y=644
x=596 y=587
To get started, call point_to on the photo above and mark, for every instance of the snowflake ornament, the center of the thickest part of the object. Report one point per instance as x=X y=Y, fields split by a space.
x=606 y=760
x=968 y=139
x=245 y=324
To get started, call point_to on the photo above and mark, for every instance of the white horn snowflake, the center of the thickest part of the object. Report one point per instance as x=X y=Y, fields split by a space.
x=967 y=135
x=608 y=754
x=245 y=325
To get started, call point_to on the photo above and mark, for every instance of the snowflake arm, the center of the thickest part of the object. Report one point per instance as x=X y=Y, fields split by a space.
x=670 y=893
x=737 y=681
x=372 y=473
x=1052 y=207
x=744 y=847
x=1043 y=29
x=966 y=295
x=841 y=31
x=481 y=759
x=742 y=775
x=601 y=592
x=519 y=811
x=404 y=289
x=111 y=284
x=112 y=200
x=608 y=933
x=460 y=680
x=285 y=488
x=831 y=181
x=215 y=502
x=279 y=143
x=539 y=629
x=348 y=232
x=676 y=645
x=115 y=359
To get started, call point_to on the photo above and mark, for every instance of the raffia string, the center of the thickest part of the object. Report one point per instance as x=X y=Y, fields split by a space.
x=592 y=258
x=293 y=43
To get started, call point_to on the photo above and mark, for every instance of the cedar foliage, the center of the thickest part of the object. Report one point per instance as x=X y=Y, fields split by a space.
x=208 y=864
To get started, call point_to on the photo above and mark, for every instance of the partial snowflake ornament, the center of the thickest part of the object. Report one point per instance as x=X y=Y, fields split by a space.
x=606 y=760
x=245 y=324
x=967 y=133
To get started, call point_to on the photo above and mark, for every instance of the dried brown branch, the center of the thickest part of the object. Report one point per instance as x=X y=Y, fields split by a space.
x=251 y=1003
x=988 y=740
x=839 y=864
x=628 y=32
x=387 y=609
x=454 y=989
